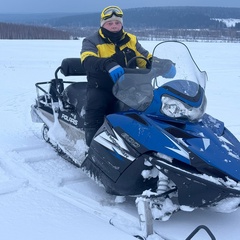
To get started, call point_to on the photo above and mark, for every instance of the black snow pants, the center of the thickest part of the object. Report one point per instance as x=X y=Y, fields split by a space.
x=99 y=103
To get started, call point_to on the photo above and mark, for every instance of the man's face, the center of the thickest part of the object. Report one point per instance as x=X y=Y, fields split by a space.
x=113 y=25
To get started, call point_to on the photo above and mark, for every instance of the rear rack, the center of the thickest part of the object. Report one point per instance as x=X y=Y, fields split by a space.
x=53 y=89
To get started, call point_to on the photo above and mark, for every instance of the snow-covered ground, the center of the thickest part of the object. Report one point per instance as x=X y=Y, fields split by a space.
x=230 y=22
x=39 y=191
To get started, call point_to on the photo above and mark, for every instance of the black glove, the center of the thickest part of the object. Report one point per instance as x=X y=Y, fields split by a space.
x=118 y=57
x=164 y=67
x=122 y=57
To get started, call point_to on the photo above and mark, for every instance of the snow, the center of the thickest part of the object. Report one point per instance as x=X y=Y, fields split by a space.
x=46 y=205
x=230 y=22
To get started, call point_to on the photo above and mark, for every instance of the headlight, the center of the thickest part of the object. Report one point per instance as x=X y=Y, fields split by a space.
x=174 y=108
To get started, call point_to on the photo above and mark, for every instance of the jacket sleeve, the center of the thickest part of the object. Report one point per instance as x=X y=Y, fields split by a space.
x=142 y=52
x=89 y=57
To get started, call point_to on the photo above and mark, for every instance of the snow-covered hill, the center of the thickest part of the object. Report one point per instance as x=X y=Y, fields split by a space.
x=44 y=197
x=230 y=22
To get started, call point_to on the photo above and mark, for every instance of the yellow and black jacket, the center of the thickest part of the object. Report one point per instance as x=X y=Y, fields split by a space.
x=98 y=51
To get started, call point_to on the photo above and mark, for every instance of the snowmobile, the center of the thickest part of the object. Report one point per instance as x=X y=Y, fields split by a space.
x=159 y=145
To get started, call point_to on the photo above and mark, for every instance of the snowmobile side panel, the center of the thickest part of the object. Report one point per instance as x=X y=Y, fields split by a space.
x=195 y=190
x=149 y=134
x=115 y=159
x=129 y=182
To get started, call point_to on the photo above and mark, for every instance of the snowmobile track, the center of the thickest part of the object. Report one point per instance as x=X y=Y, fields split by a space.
x=40 y=166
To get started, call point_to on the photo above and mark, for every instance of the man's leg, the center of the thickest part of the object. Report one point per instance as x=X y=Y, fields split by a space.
x=96 y=108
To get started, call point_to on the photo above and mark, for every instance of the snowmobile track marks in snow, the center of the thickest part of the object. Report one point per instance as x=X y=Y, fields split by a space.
x=12 y=185
x=40 y=166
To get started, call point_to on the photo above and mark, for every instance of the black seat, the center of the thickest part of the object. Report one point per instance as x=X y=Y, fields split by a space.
x=75 y=95
x=72 y=67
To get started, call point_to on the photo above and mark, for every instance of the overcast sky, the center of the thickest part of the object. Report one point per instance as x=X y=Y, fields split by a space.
x=78 y=6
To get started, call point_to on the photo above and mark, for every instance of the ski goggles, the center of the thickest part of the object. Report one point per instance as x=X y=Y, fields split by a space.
x=108 y=12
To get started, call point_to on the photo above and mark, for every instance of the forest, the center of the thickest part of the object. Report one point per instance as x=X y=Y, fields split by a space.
x=158 y=17
x=191 y=23
x=21 y=31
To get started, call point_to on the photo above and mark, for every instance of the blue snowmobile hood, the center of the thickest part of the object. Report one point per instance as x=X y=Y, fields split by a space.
x=196 y=144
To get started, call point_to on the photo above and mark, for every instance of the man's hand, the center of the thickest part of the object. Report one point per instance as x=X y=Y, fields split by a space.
x=171 y=72
x=164 y=67
x=115 y=71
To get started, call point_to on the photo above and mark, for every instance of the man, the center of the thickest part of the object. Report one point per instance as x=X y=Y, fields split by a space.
x=104 y=56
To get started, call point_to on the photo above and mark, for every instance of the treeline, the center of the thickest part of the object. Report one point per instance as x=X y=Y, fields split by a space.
x=237 y=26
x=157 y=17
x=190 y=23
x=21 y=31
x=171 y=18
x=147 y=23
x=226 y=35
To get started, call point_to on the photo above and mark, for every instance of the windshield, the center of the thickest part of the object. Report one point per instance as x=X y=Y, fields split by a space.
x=136 y=87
